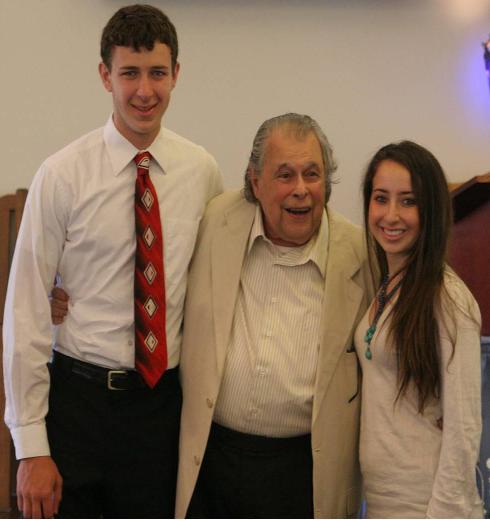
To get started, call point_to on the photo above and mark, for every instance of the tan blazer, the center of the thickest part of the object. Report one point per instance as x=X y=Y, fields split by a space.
x=212 y=291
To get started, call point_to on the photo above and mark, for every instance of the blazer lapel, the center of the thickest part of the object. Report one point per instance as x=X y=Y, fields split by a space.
x=227 y=256
x=342 y=299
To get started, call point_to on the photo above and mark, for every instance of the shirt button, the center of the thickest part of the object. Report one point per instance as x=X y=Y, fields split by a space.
x=209 y=402
x=197 y=460
x=316 y=450
x=130 y=342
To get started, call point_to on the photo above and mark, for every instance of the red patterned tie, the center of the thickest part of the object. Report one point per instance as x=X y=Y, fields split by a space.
x=149 y=279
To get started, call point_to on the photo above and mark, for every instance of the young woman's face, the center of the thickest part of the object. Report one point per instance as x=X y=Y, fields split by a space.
x=393 y=217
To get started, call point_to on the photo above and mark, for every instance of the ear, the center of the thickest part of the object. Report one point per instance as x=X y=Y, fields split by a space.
x=254 y=181
x=105 y=76
x=175 y=74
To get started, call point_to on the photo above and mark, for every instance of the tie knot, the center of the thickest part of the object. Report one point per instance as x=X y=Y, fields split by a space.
x=142 y=161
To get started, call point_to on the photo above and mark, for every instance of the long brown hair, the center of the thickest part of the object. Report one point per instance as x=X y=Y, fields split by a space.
x=413 y=326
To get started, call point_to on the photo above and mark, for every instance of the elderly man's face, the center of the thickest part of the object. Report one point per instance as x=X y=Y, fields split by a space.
x=291 y=187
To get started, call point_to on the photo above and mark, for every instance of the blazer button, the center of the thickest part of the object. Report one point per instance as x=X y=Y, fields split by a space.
x=197 y=460
x=209 y=402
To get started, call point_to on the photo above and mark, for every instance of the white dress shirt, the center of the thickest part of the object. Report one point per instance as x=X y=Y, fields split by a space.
x=269 y=376
x=78 y=222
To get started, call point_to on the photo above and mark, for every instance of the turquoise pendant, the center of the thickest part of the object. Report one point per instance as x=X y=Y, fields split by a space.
x=367 y=338
x=369 y=334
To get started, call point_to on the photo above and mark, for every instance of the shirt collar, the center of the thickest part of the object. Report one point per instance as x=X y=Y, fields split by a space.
x=121 y=152
x=316 y=249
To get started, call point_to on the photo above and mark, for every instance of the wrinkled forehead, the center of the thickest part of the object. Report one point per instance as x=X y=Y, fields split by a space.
x=287 y=143
x=292 y=131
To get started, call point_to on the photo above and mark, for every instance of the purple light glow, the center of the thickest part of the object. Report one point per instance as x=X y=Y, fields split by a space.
x=486 y=57
x=473 y=84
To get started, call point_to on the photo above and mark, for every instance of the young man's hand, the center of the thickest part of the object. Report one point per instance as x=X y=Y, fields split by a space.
x=39 y=486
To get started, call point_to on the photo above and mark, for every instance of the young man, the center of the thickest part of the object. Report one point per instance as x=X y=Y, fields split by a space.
x=108 y=446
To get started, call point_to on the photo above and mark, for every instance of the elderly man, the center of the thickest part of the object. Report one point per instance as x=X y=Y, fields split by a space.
x=270 y=379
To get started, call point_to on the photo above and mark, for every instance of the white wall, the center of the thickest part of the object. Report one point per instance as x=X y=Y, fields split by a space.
x=370 y=71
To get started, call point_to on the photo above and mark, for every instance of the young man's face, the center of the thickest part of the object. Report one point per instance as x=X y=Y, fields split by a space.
x=141 y=83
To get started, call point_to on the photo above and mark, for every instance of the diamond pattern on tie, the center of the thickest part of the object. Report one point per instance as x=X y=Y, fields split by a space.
x=150 y=273
x=147 y=199
x=150 y=307
x=143 y=161
x=151 y=341
x=149 y=279
x=149 y=237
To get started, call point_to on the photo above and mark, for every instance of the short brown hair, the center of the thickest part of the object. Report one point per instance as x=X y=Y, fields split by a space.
x=138 y=26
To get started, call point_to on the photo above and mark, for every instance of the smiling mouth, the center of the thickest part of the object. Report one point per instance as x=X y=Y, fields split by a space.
x=298 y=211
x=144 y=110
x=392 y=233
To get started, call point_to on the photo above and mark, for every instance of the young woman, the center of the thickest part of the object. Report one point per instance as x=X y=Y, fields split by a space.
x=419 y=348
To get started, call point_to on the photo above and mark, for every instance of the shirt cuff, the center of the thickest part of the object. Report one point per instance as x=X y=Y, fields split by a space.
x=30 y=441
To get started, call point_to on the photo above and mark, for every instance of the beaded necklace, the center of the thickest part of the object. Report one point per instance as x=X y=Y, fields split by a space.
x=382 y=300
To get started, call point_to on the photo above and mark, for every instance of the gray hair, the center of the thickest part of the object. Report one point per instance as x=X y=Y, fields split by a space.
x=302 y=125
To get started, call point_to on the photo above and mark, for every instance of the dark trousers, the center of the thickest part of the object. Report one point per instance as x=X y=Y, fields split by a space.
x=249 y=476
x=117 y=451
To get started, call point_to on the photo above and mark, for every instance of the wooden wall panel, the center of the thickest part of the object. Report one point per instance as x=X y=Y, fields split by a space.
x=11 y=207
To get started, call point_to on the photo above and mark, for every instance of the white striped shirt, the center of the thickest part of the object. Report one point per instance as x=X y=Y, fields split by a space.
x=269 y=376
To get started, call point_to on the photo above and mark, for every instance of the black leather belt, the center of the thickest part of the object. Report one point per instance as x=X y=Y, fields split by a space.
x=106 y=377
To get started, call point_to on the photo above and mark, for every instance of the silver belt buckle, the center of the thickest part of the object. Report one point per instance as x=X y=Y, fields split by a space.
x=109 y=378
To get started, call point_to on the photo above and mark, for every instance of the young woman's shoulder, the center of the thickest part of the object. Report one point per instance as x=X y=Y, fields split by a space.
x=458 y=302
